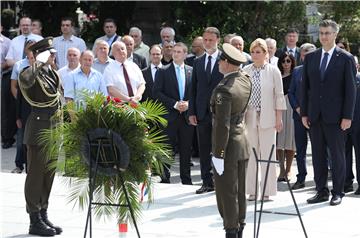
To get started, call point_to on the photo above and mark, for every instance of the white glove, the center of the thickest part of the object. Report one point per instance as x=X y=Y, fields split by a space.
x=43 y=56
x=218 y=164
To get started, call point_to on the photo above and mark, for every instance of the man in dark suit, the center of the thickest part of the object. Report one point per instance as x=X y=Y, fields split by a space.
x=327 y=108
x=291 y=38
x=136 y=58
x=40 y=85
x=300 y=131
x=353 y=141
x=206 y=76
x=197 y=50
x=172 y=89
x=150 y=71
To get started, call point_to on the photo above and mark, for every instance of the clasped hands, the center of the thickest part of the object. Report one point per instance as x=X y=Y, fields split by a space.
x=182 y=106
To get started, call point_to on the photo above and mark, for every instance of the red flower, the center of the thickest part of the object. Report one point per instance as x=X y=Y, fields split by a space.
x=118 y=100
x=108 y=98
x=133 y=104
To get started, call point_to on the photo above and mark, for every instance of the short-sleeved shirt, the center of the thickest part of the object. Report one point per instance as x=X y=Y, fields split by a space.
x=78 y=82
x=64 y=72
x=61 y=45
x=16 y=50
x=101 y=67
x=4 y=48
x=18 y=66
x=114 y=76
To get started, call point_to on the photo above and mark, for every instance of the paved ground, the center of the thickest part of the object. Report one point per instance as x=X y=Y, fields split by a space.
x=179 y=212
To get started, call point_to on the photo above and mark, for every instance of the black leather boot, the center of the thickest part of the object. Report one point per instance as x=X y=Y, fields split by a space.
x=38 y=227
x=231 y=233
x=44 y=217
x=240 y=231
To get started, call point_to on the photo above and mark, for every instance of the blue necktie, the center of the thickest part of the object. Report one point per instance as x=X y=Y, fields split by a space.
x=323 y=65
x=180 y=82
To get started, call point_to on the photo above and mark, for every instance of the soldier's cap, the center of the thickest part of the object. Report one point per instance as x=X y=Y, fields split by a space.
x=43 y=45
x=232 y=55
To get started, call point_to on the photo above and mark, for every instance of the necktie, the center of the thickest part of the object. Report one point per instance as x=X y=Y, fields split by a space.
x=180 y=82
x=323 y=65
x=291 y=52
x=155 y=71
x=127 y=81
x=208 y=68
x=24 y=53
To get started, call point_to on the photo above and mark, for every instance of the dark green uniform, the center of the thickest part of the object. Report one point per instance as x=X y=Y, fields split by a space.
x=228 y=102
x=40 y=87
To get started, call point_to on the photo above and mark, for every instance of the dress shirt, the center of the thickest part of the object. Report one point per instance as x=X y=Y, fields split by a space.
x=4 y=47
x=64 y=72
x=114 y=76
x=16 y=49
x=330 y=52
x=182 y=72
x=78 y=82
x=61 y=45
x=100 y=66
x=153 y=70
x=143 y=50
x=18 y=66
x=214 y=56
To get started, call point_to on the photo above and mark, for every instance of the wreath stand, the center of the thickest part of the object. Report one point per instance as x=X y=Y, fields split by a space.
x=257 y=223
x=100 y=151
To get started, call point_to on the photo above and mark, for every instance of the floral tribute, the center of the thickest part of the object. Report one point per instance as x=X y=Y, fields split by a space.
x=138 y=124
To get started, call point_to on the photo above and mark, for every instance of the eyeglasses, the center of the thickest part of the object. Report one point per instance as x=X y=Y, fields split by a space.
x=326 y=33
x=286 y=61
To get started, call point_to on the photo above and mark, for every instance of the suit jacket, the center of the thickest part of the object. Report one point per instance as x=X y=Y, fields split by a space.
x=294 y=93
x=334 y=97
x=356 y=118
x=190 y=60
x=201 y=88
x=149 y=84
x=228 y=103
x=166 y=89
x=139 y=60
x=297 y=54
x=272 y=96
x=33 y=80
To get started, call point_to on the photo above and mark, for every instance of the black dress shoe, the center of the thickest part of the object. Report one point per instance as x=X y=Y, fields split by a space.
x=7 y=145
x=319 y=197
x=298 y=185
x=357 y=192
x=348 y=188
x=205 y=189
x=165 y=181
x=335 y=200
x=281 y=179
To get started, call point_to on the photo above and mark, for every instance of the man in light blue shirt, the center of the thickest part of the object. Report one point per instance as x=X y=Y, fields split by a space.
x=65 y=41
x=84 y=79
x=102 y=56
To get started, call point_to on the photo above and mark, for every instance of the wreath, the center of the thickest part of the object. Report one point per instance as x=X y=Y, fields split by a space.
x=135 y=131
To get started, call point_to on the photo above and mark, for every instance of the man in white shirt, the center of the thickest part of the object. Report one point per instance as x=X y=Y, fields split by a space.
x=16 y=50
x=271 y=44
x=65 y=41
x=73 y=57
x=123 y=78
x=291 y=39
x=238 y=43
x=140 y=47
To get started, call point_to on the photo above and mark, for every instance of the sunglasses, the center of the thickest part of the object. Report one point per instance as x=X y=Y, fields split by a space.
x=286 y=61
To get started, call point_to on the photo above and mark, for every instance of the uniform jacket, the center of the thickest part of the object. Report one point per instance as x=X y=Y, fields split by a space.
x=334 y=97
x=166 y=89
x=201 y=88
x=228 y=103
x=32 y=81
x=272 y=97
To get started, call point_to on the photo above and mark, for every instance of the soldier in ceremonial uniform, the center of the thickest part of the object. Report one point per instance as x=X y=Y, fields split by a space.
x=230 y=151
x=40 y=86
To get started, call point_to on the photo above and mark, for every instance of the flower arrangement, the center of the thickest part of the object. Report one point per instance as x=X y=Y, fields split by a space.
x=138 y=125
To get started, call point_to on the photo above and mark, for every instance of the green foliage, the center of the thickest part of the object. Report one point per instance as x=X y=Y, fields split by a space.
x=148 y=150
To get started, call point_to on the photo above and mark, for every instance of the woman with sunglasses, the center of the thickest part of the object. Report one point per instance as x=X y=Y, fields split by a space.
x=263 y=117
x=285 y=147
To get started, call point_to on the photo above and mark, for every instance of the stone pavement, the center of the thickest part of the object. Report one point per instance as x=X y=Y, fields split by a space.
x=178 y=212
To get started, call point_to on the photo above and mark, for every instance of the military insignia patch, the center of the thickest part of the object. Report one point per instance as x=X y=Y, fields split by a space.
x=219 y=99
